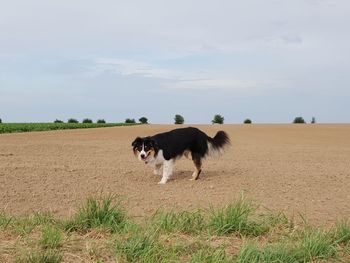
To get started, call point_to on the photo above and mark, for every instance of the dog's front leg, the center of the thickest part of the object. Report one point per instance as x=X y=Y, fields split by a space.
x=167 y=171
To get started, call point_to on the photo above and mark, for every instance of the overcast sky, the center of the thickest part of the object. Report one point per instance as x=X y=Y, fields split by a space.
x=268 y=60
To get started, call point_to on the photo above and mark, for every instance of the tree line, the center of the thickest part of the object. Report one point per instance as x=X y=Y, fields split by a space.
x=178 y=119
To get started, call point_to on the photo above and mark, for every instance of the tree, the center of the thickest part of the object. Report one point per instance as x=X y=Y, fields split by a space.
x=313 y=120
x=87 y=121
x=143 y=120
x=218 y=119
x=179 y=119
x=0 y=120
x=73 y=120
x=130 y=120
x=299 y=120
x=247 y=121
x=101 y=121
x=58 y=121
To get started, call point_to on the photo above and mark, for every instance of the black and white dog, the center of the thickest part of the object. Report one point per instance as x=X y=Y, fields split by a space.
x=161 y=150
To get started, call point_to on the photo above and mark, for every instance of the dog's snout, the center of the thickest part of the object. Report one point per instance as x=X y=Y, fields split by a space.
x=143 y=155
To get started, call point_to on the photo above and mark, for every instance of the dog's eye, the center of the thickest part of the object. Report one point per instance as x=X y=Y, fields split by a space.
x=139 y=148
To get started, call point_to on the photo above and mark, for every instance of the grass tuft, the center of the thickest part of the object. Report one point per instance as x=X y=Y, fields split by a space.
x=310 y=245
x=98 y=214
x=141 y=248
x=342 y=232
x=51 y=237
x=47 y=256
x=317 y=244
x=236 y=217
x=280 y=252
x=210 y=255
x=182 y=222
x=4 y=220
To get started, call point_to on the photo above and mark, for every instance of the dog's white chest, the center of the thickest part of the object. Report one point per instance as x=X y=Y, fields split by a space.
x=158 y=160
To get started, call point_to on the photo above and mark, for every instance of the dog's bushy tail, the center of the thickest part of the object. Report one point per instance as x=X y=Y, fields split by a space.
x=217 y=144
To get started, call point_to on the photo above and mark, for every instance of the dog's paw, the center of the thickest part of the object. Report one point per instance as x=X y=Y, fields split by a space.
x=162 y=182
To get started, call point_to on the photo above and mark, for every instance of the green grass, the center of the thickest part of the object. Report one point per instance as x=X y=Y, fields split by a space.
x=182 y=222
x=101 y=231
x=308 y=245
x=317 y=244
x=51 y=237
x=141 y=248
x=236 y=218
x=210 y=255
x=46 y=256
x=31 y=127
x=342 y=232
x=98 y=213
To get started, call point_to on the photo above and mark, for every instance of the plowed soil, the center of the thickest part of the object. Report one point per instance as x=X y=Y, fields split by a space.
x=298 y=169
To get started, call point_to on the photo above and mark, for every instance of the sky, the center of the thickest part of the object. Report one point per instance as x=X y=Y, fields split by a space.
x=269 y=61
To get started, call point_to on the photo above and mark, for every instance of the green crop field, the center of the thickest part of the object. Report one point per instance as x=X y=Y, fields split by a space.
x=30 y=127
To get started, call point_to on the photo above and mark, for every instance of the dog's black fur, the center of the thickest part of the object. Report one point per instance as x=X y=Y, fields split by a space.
x=180 y=142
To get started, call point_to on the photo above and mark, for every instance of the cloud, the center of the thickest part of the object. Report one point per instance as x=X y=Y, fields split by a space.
x=131 y=67
x=184 y=80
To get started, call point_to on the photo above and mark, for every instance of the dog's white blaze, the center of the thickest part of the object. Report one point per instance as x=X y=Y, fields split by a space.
x=142 y=152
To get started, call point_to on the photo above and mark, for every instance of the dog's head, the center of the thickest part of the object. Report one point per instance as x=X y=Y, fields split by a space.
x=145 y=149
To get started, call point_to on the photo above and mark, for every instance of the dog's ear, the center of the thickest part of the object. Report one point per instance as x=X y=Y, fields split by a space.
x=136 y=141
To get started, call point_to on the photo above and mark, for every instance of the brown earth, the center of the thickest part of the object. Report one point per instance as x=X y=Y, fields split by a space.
x=298 y=169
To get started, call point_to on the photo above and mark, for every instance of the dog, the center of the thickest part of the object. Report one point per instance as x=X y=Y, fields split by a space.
x=161 y=150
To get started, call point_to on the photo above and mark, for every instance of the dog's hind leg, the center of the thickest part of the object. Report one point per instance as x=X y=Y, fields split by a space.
x=198 y=164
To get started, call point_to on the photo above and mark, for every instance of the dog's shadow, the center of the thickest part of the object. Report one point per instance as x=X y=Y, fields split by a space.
x=187 y=174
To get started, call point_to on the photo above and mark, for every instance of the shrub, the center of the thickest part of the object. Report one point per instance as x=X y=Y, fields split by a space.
x=218 y=119
x=87 y=121
x=73 y=121
x=143 y=120
x=299 y=120
x=130 y=120
x=58 y=121
x=101 y=121
x=247 y=121
x=179 y=119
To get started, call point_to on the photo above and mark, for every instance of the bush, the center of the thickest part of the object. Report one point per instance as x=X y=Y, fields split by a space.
x=247 y=121
x=218 y=119
x=143 y=120
x=299 y=120
x=101 y=121
x=58 y=121
x=73 y=121
x=87 y=121
x=179 y=119
x=130 y=120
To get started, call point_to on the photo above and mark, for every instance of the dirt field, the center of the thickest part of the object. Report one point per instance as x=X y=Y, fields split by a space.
x=294 y=168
